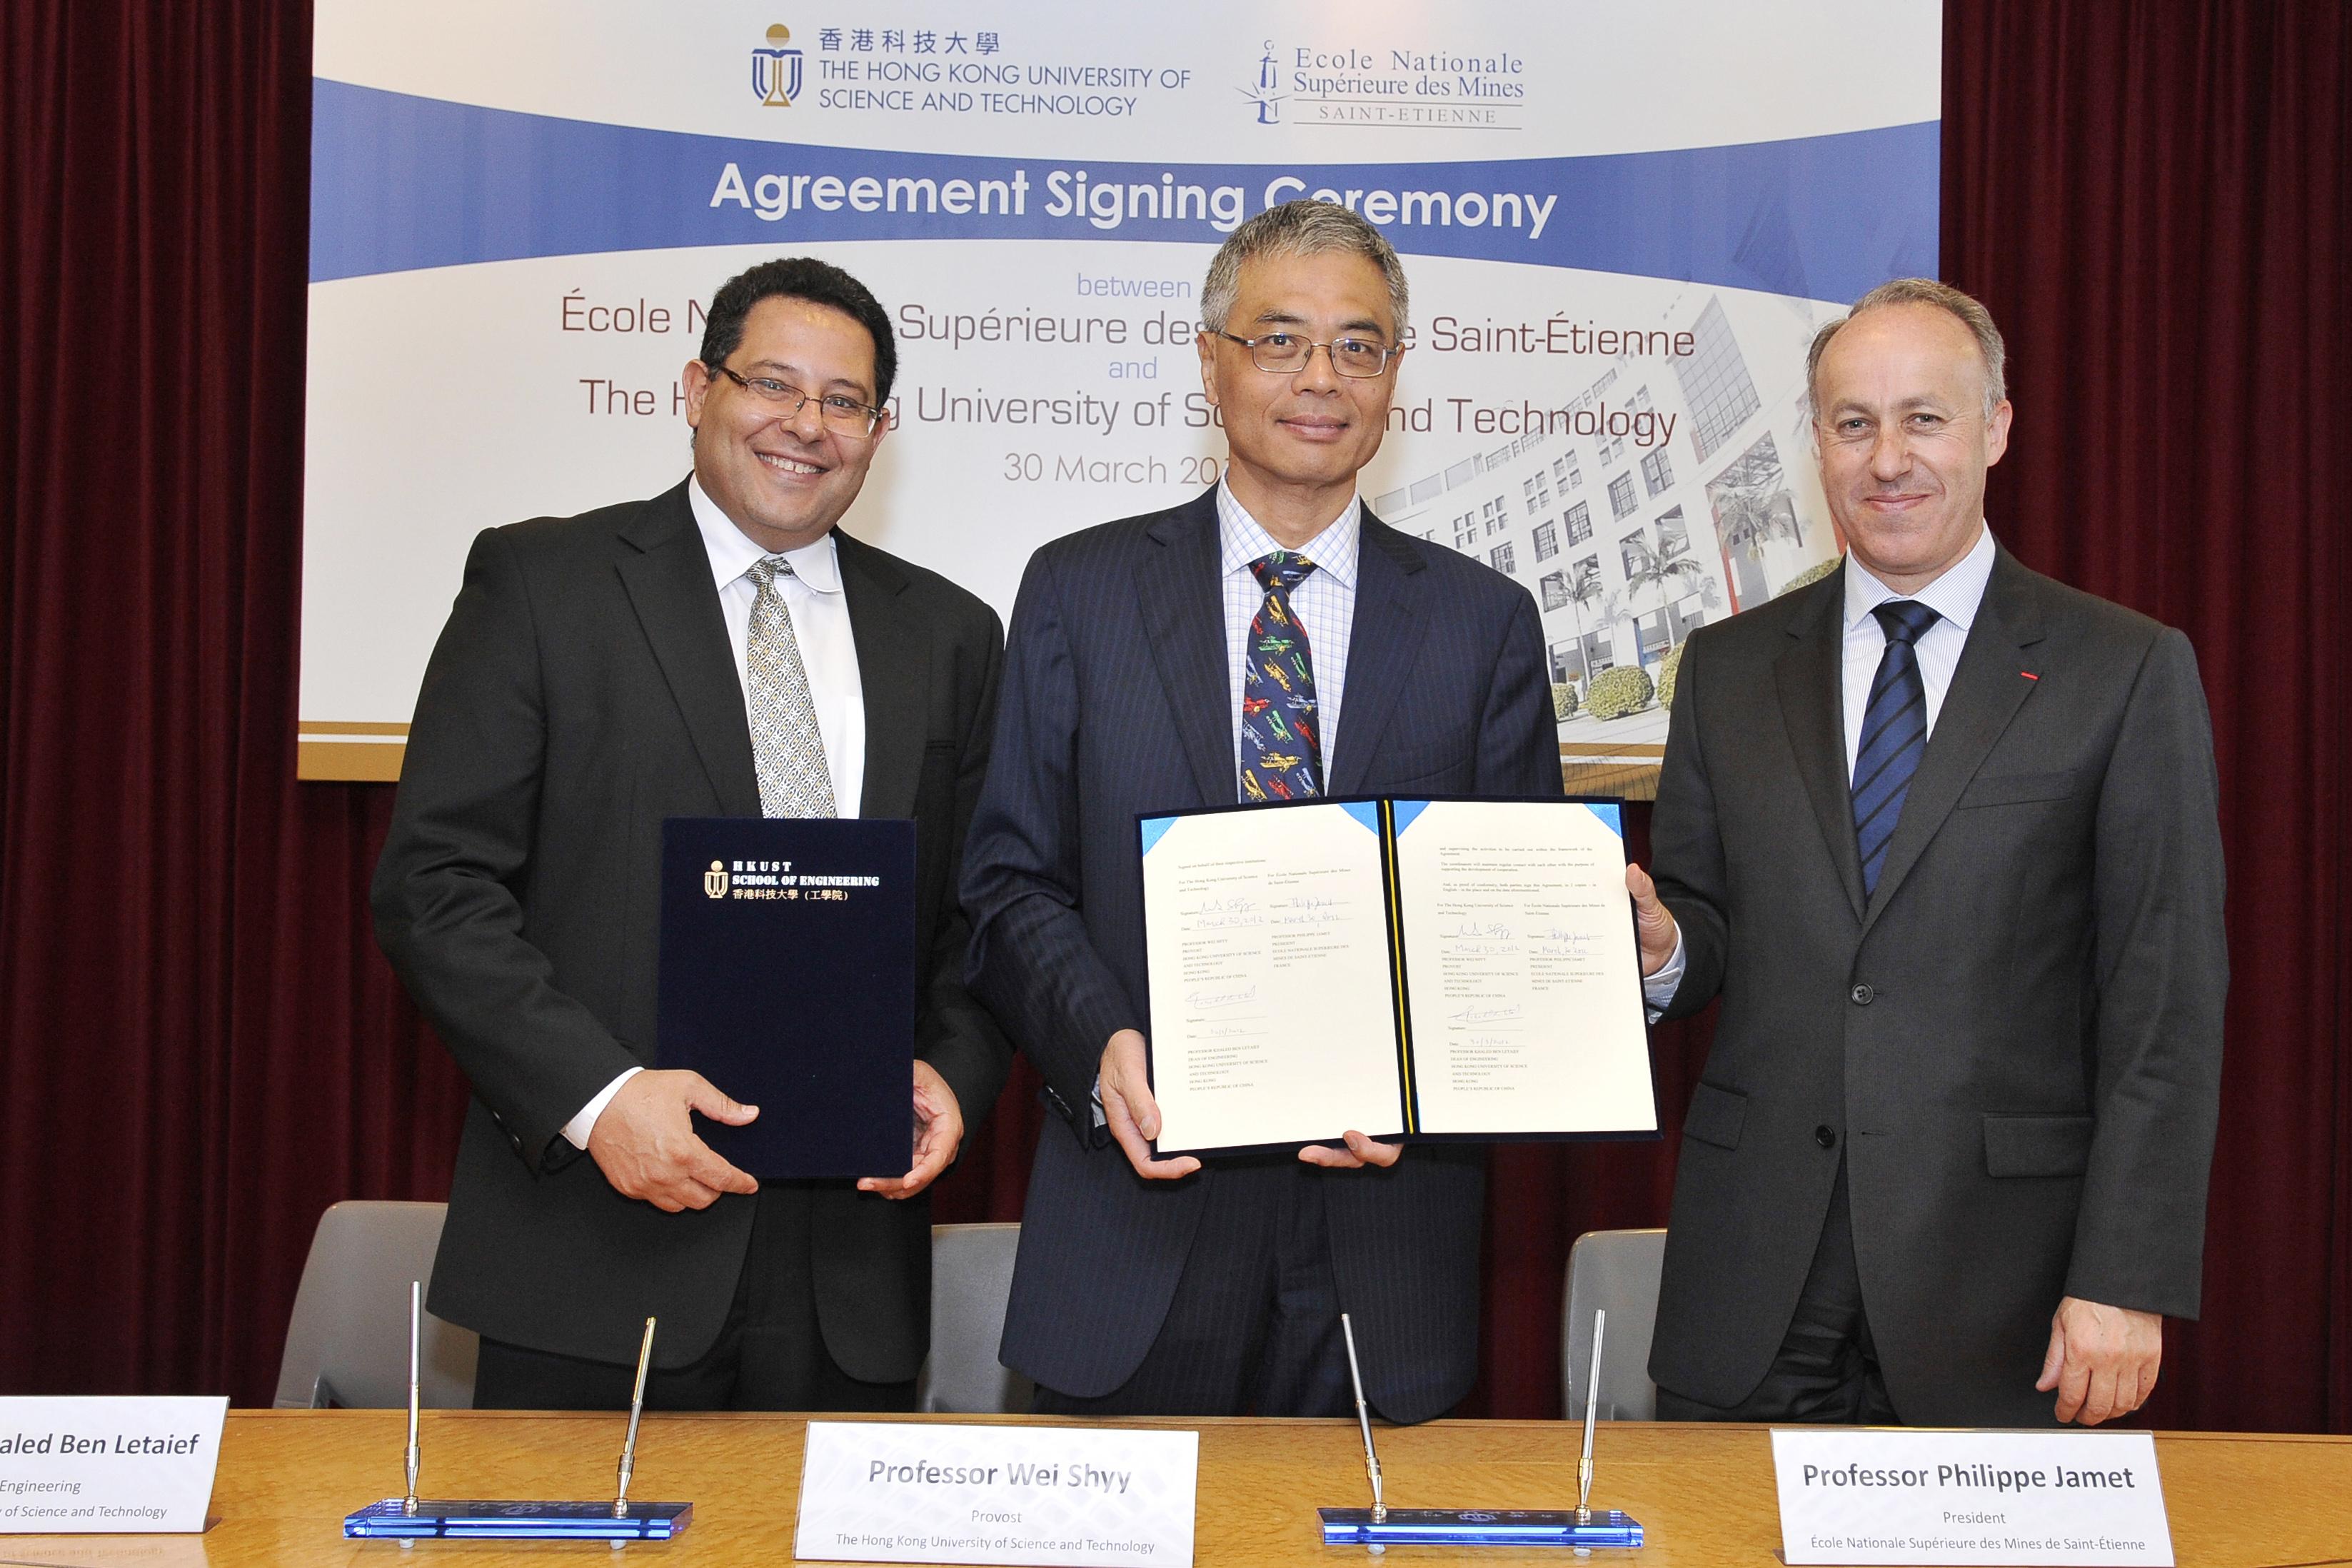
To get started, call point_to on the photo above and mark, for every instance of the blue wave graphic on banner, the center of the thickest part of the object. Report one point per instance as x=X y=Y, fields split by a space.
x=401 y=182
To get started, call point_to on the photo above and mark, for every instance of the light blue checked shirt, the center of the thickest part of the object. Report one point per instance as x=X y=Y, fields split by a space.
x=1324 y=603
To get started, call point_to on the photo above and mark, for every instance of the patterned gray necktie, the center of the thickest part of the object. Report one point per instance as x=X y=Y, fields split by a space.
x=787 y=748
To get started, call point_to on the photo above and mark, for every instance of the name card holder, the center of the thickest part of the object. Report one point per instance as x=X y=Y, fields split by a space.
x=108 y=1465
x=884 y=1491
x=1882 y=1495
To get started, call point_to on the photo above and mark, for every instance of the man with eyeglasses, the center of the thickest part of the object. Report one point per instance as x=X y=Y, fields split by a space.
x=1143 y=675
x=721 y=650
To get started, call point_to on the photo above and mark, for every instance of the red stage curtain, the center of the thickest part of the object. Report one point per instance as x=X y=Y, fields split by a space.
x=203 y=1048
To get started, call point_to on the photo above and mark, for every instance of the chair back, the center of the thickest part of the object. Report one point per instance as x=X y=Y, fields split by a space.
x=972 y=1278
x=1615 y=1271
x=347 y=1345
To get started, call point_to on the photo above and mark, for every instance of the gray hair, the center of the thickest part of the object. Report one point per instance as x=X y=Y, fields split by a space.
x=1919 y=292
x=1304 y=227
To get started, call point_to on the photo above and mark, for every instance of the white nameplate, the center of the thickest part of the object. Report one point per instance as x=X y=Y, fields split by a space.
x=107 y=1466
x=1880 y=1496
x=900 y=1492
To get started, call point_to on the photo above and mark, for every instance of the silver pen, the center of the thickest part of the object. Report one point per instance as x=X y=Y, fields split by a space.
x=1364 y=1420
x=1591 y=1409
x=415 y=1315
x=636 y=1409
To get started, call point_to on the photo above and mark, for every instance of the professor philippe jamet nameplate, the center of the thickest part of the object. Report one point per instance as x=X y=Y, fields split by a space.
x=1970 y=1497
x=107 y=1466
x=893 y=1492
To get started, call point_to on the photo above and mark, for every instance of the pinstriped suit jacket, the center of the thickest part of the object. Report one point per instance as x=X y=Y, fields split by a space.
x=1115 y=703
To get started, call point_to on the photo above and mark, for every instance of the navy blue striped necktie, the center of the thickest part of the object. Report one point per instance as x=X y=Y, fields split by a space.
x=1893 y=734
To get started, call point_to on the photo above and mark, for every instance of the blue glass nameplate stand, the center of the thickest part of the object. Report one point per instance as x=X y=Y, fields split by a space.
x=410 y=1518
x=1581 y=1529
x=1479 y=1527
x=473 y=1520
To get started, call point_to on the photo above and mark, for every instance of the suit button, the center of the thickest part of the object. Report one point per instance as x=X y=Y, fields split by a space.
x=1862 y=996
x=1826 y=1137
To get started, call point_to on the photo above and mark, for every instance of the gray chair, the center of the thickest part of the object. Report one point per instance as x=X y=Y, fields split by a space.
x=971 y=1278
x=348 y=1343
x=1616 y=1271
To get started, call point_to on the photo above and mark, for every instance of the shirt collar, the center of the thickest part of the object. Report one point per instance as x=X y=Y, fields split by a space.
x=733 y=553
x=1955 y=595
x=1242 y=539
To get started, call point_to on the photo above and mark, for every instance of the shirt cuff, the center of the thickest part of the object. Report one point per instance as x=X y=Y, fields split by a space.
x=1100 y=1120
x=1658 y=990
x=576 y=1131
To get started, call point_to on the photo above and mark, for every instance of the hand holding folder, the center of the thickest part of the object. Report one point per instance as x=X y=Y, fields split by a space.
x=938 y=1132
x=1134 y=1118
x=645 y=1144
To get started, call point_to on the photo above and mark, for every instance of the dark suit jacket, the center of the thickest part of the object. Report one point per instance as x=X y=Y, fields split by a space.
x=2014 y=1043
x=1116 y=702
x=583 y=690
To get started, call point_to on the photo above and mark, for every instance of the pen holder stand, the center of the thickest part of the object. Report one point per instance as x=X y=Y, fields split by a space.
x=1479 y=1527
x=476 y=1520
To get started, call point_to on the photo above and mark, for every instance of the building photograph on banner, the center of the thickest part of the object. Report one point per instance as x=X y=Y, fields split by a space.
x=1621 y=221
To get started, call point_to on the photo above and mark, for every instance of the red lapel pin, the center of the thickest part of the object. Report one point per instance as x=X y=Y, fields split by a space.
x=2029 y=675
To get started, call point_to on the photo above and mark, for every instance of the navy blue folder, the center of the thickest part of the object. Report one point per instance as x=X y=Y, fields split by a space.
x=787 y=980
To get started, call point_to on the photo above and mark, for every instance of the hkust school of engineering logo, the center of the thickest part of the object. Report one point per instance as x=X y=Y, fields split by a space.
x=775 y=80
x=714 y=881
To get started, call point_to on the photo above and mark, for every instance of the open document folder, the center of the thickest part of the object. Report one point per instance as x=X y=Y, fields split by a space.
x=1461 y=969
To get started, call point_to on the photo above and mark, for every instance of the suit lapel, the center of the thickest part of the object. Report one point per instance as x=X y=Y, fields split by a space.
x=893 y=673
x=1382 y=648
x=1809 y=676
x=669 y=586
x=1184 y=621
x=1985 y=695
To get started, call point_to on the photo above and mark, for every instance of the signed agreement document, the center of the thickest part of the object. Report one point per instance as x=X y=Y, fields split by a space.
x=1429 y=969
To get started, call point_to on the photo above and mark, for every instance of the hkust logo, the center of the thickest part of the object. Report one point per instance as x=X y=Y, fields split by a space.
x=714 y=881
x=776 y=77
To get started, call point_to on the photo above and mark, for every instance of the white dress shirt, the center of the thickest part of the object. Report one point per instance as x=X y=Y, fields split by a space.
x=1954 y=597
x=820 y=611
x=1325 y=601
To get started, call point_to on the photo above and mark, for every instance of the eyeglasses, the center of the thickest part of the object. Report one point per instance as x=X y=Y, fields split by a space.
x=840 y=413
x=1287 y=353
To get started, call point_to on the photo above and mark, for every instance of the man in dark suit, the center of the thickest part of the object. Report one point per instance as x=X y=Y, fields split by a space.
x=1158 y=1285
x=1942 y=835
x=719 y=650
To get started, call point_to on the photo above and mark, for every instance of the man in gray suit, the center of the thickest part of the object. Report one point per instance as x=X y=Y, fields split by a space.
x=1942 y=835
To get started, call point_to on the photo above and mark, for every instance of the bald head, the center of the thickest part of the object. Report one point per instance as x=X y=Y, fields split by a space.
x=1993 y=353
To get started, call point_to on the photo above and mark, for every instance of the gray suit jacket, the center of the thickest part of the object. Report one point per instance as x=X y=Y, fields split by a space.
x=583 y=690
x=2014 y=1043
x=1116 y=703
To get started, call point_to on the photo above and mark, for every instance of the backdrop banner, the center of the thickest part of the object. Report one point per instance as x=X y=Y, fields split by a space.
x=1623 y=221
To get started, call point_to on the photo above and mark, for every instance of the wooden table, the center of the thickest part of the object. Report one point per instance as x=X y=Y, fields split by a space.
x=1704 y=1493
